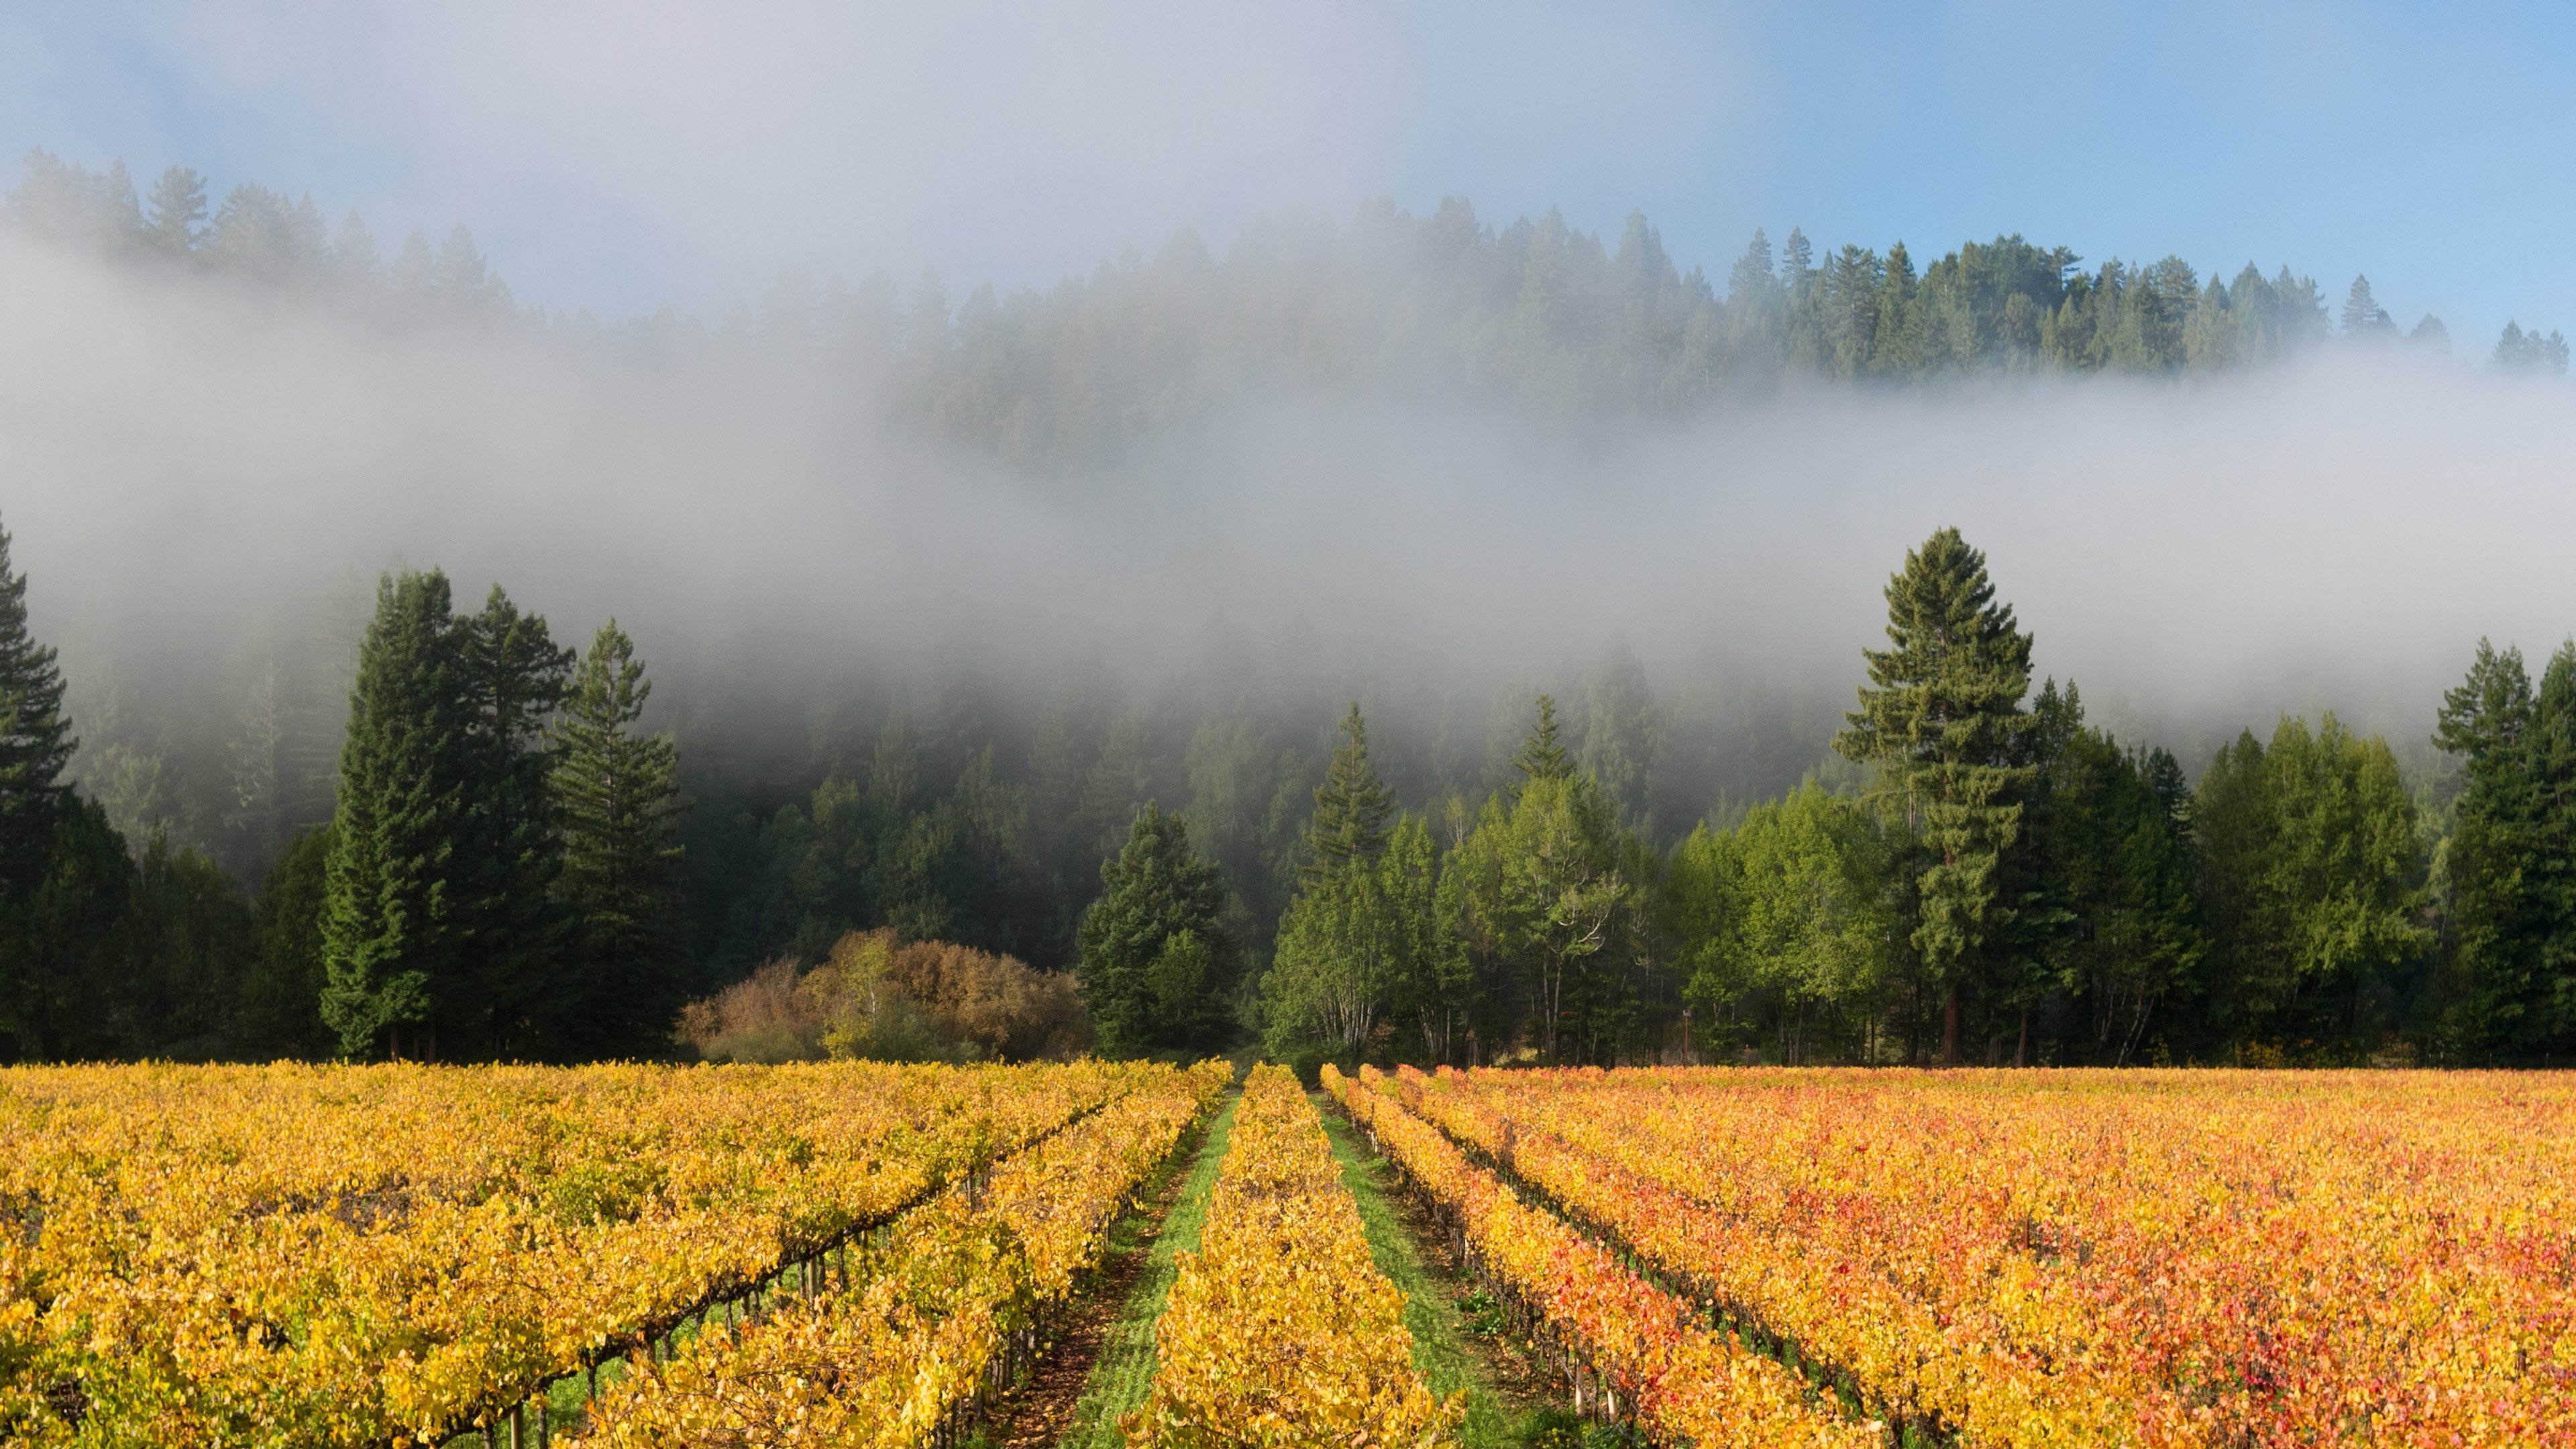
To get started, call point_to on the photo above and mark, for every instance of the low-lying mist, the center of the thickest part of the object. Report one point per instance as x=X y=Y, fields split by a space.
x=201 y=487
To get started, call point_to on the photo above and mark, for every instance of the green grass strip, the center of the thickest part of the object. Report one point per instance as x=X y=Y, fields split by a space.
x=1124 y=1372
x=1440 y=1351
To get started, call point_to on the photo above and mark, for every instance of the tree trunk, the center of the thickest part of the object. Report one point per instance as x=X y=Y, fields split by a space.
x=1950 y=1028
x=2021 y=1050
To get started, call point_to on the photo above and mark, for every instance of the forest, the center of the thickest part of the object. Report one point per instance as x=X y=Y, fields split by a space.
x=434 y=830
x=1444 y=308
x=1999 y=880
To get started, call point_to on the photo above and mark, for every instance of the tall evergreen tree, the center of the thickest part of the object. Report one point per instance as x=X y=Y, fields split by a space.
x=390 y=927
x=1351 y=807
x=64 y=876
x=516 y=933
x=1542 y=756
x=1155 y=967
x=442 y=934
x=2112 y=919
x=178 y=210
x=1941 y=720
x=36 y=740
x=617 y=792
x=2362 y=314
x=2508 y=867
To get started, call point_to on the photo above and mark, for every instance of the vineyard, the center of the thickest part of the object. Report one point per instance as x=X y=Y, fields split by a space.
x=398 y=1255
x=2010 y=1259
x=854 y=1254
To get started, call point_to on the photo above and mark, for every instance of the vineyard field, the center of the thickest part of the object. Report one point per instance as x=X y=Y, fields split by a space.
x=401 y=1255
x=877 y=1256
x=2141 y=1258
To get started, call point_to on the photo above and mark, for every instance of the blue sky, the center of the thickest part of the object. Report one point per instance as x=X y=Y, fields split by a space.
x=625 y=155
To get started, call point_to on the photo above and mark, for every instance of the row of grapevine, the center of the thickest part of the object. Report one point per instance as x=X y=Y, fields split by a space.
x=368 y=1256
x=2157 y=1259
x=1280 y=1330
x=1630 y=1348
x=936 y=1313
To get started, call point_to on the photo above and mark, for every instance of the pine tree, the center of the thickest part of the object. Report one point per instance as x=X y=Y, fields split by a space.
x=2362 y=314
x=1622 y=736
x=519 y=997
x=178 y=210
x=1541 y=756
x=389 y=935
x=618 y=792
x=36 y=741
x=65 y=876
x=1154 y=966
x=2508 y=987
x=1351 y=807
x=1942 y=726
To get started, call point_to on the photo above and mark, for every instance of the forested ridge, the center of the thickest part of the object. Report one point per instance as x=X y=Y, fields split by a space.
x=419 y=830
x=1444 y=308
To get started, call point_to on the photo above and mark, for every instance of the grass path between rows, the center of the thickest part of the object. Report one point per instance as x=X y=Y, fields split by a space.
x=1442 y=1349
x=1124 y=1372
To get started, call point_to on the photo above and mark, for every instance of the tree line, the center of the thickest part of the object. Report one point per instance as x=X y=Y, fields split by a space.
x=498 y=879
x=1444 y=309
x=2012 y=885
x=513 y=869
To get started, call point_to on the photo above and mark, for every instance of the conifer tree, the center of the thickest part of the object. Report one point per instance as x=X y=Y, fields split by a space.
x=440 y=922
x=36 y=741
x=1622 y=736
x=618 y=792
x=1154 y=966
x=2362 y=314
x=1351 y=807
x=1542 y=756
x=389 y=921
x=518 y=934
x=178 y=211
x=65 y=877
x=1941 y=721
x=2508 y=988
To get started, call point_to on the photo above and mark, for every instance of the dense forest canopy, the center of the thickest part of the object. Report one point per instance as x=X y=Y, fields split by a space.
x=1440 y=308
x=1034 y=624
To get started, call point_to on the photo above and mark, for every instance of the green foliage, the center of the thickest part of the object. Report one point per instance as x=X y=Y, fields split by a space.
x=514 y=997
x=282 y=1000
x=2507 y=871
x=35 y=739
x=1547 y=898
x=1793 y=911
x=1359 y=944
x=1541 y=756
x=2111 y=912
x=1941 y=721
x=1349 y=825
x=389 y=926
x=1359 y=936
x=1155 y=967
x=439 y=916
x=616 y=792
x=2314 y=877
x=191 y=944
x=63 y=941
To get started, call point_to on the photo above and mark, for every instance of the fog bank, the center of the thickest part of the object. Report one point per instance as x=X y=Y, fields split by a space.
x=192 y=477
